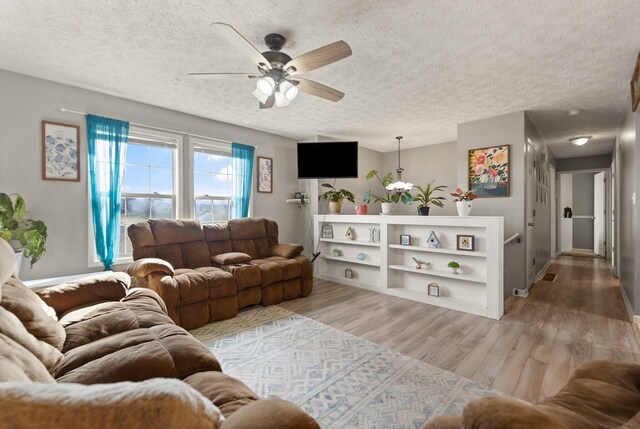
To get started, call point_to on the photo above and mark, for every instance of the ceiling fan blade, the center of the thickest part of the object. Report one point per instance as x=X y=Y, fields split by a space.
x=269 y=103
x=319 y=58
x=318 y=89
x=222 y=75
x=242 y=44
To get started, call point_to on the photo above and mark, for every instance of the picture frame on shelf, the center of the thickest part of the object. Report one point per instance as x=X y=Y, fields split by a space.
x=327 y=231
x=465 y=242
x=348 y=273
x=60 y=152
x=405 y=239
x=433 y=289
x=265 y=175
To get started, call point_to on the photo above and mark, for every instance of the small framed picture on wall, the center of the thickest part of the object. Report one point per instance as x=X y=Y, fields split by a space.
x=265 y=174
x=60 y=152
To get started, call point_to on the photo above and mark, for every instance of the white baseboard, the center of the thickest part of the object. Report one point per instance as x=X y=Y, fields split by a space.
x=627 y=305
x=542 y=270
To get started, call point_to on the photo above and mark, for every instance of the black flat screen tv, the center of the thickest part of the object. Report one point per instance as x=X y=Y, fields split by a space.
x=330 y=160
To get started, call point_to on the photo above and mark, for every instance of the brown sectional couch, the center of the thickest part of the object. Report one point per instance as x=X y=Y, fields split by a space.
x=99 y=331
x=207 y=273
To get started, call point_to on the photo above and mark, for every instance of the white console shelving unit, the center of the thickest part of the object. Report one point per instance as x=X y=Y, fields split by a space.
x=388 y=267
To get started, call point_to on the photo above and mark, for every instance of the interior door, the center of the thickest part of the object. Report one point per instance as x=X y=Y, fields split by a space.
x=599 y=224
x=530 y=209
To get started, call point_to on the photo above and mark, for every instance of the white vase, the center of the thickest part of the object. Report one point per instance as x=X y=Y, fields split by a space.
x=464 y=208
x=388 y=208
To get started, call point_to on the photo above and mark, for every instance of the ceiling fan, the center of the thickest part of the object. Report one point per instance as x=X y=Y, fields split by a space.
x=278 y=74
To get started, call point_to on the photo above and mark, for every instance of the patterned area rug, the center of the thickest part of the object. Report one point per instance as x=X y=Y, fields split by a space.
x=342 y=380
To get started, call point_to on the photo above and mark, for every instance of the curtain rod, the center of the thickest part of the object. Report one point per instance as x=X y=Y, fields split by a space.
x=62 y=109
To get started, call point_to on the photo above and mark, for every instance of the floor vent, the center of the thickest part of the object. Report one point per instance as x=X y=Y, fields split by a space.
x=549 y=277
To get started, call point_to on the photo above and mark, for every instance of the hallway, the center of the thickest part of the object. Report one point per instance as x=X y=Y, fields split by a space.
x=530 y=353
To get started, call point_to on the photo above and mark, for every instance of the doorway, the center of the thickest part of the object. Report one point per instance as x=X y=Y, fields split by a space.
x=584 y=226
x=530 y=215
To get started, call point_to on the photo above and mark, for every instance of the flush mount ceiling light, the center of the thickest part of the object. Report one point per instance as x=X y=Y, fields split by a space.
x=399 y=186
x=573 y=112
x=579 y=141
x=278 y=74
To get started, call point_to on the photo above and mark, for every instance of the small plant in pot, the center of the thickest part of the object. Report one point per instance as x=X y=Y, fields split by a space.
x=361 y=207
x=28 y=237
x=425 y=197
x=336 y=197
x=389 y=198
x=463 y=201
x=454 y=267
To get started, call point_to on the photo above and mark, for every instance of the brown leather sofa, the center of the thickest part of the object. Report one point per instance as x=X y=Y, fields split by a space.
x=207 y=273
x=97 y=330
x=599 y=395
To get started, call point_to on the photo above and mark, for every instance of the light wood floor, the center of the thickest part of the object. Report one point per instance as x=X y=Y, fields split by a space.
x=530 y=353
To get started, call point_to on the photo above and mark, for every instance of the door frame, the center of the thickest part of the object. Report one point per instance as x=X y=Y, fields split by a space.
x=529 y=218
x=607 y=191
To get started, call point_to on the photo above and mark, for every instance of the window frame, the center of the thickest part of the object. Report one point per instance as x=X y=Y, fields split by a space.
x=212 y=147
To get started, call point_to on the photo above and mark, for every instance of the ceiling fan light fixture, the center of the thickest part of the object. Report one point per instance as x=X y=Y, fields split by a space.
x=266 y=85
x=289 y=90
x=260 y=96
x=281 y=101
x=580 y=141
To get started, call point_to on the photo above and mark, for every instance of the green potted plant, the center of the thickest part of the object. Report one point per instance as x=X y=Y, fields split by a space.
x=335 y=197
x=361 y=207
x=389 y=198
x=27 y=236
x=463 y=201
x=454 y=267
x=425 y=197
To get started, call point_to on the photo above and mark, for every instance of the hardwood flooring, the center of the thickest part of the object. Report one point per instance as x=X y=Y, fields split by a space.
x=530 y=353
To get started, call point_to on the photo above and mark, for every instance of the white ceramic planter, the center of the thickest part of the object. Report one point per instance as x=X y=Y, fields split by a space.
x=388 y=208
x=454 y=270
x=19 y=257
x=464 y=208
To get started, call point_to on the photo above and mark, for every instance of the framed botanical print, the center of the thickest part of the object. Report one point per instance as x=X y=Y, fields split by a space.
x=489 y=173
x=60 y=152
x=265 y=174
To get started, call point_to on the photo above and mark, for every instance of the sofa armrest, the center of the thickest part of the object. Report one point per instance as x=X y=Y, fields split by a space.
x=503 y=413
x=286 y=250
x=269 y=414
x=144 y=267
x=99 y=288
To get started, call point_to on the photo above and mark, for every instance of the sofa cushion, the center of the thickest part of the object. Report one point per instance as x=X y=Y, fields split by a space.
x=138 y=354
x=21 y=362
x=175 y=231
x=227 y=393
x=141 y=308
x=270 y=413
x=218 y=238
x=39 y=319
x=156 y=403
x=88 y=290
x=286 y=250
x=230 y=258
x=13 y=328
x=270 y=271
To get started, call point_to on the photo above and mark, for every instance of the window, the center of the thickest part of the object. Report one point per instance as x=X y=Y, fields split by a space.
x=212 y=183
x=148 y=184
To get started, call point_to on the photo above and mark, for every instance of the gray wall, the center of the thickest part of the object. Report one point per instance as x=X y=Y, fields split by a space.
x=583 y=163
x=26 y=101
x=500 y=130
x=422 y=165
x=582 y=206
x=629 y=184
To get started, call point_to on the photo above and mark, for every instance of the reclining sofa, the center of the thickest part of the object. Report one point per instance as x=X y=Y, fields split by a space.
x=96 y=353
x=207 y=273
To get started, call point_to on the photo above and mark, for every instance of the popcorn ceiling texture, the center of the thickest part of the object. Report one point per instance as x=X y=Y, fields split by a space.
x=418 y=67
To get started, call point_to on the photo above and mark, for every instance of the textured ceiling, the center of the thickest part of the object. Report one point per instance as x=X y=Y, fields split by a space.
x=418 y=67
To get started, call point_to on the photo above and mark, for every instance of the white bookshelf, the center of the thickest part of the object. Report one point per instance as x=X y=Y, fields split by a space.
x=388 y=266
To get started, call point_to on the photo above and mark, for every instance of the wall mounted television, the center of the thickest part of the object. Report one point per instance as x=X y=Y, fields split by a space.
x=328 y=160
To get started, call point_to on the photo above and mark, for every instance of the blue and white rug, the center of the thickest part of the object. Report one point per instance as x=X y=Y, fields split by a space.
x=343 y=381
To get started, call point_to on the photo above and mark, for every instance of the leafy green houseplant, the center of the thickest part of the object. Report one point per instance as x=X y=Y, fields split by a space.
x=336 y=197
x=426 y=197
x=389 y=197
x=454 y=267
x=25 y=235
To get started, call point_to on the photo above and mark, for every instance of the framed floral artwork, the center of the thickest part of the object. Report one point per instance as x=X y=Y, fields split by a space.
x=489 y=171
x=60 y=152
x=265 y=174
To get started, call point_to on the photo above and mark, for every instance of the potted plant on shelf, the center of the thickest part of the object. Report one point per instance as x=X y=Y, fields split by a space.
x=336 y=197
x=28 y=237
x=454 y=267
x=463 y=201
x=426 y=198
x=361 y=207
x=389 y=198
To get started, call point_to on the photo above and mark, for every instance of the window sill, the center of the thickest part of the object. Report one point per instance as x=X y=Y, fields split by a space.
x=120 y=261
